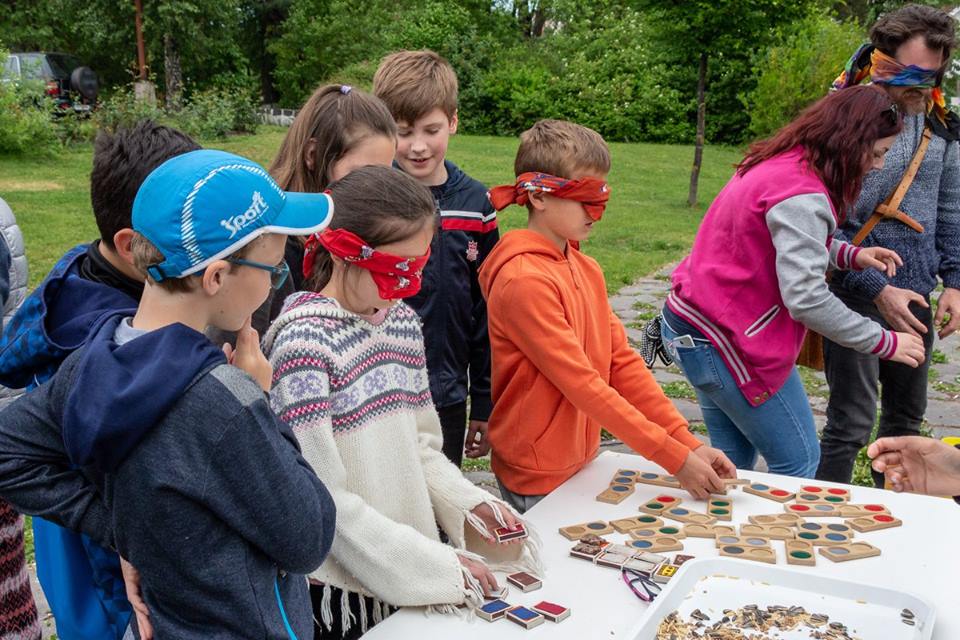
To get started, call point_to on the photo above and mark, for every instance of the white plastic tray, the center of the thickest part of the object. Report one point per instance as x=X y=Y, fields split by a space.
x=715 y=584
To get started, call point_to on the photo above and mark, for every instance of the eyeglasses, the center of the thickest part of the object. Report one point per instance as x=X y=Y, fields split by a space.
x=278 y=273
x=642 y=586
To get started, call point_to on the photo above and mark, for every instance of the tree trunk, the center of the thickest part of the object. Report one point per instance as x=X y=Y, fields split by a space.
x=173 y=73
x=701 y=126
x=539 y=21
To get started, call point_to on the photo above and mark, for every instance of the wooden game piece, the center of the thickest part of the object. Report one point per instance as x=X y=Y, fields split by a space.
x=742 y=541
x=524 y=581
x=503 y=534
x=493 y=611
x=759 y=554
x=626 y=473
x=850 y=551
x=640 y=565
x=660 y=504
x=814 y=510
x=875 y=522
x=614 y=558
x=664 y=530
x=708 y=530
x=682 y=514
x=734 y=482
x=814 y=492
x=586 y=551
x=788 y=519
x=859 y=510
x=771 y=531
x=526 y=618
x=819 y=534
x=576 y=531
x=720 y=508
x=800 y=552
x=624 y=525
x=679 y=559
x=664 y=572
x=645 y=477
x=768 y=492
x=615 y=493
x=550 y=611
x=661 y=543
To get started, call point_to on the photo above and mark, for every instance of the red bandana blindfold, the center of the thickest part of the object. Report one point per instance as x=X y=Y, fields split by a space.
x=590 y=192
x=395 y=276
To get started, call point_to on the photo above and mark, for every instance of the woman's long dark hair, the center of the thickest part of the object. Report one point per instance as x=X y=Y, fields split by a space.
x=837 y=134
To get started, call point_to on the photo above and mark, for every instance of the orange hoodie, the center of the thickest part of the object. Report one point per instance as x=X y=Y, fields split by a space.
x=562 y=368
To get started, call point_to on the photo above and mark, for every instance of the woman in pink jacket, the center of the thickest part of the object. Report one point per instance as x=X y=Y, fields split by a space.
x=754 y=282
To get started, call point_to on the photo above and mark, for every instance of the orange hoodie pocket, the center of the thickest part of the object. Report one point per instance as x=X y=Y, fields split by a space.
x=560 y=440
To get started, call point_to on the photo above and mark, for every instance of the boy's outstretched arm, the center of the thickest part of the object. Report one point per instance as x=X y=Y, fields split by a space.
x=36 y=476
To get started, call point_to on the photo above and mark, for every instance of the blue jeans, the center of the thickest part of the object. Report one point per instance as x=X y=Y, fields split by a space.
x=781 y=429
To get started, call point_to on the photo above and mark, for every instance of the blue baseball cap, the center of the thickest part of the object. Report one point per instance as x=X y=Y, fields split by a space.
x=202 y=206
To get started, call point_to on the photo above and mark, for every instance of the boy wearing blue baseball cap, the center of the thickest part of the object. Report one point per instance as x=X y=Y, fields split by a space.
x=149 y=440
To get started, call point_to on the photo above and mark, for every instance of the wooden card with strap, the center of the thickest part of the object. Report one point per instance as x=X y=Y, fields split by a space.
x=811 y=352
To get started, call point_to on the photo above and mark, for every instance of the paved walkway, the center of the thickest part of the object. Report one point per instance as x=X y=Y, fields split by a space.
x=637 y=303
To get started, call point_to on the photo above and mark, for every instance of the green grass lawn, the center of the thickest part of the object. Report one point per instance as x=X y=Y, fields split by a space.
x=647 y=222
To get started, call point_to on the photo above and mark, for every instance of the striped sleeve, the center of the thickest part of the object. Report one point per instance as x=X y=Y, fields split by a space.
x=475 y=221
x=843 y=255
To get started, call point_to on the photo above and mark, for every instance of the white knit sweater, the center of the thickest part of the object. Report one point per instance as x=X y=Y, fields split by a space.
x=357 y=397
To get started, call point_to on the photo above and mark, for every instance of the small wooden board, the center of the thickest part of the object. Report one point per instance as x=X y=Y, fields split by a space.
x=708 y=530
x=788 y=519
x=625 y=525
x=682 y=514
x=734 y=482
x=770 y=531
x=850 y=551
x=800 y=552
x=816 y=493
x=768 y=492
x=720 y=507
x=673 y=531
x=660 y=504
x=875 y=522
x=743 y=541
x=758 y=554
x=661 y=543
x=646 y=477
x=824 y=538
x=858 y=510
x=615 y=493
x=815 y=510
x=576 y=531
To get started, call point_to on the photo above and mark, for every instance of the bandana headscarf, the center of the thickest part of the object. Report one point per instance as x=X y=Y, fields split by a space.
x=590 y=192
x=869 y=63
x=395 y=276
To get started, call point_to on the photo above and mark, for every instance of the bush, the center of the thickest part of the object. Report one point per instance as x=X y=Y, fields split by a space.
x=25 y=124
x=74 y=128
x=799 y=71
x=121 y=110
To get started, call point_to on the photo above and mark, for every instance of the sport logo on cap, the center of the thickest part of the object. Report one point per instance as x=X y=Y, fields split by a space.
x=256 y=209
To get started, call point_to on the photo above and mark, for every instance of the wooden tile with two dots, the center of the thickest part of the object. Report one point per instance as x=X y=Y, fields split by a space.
x=720 y=507
x=875 y=522
x=673 y=531
x=526 y=618
x=769 y=531
x=800 y=552
x=658 y=505
x=787 y=519
x=819 y=534
x=687 y=516
x=744 y=541
x=615 y=493
x=734 y=482
x=858 y=510
x=814 y=510
x=646 y=477
x=768 y=492
x=625 y=525
x=657 y=544
x=748 y=552
x=708 y=530
x=577 y=531
x=814 y=493
x=849 y=551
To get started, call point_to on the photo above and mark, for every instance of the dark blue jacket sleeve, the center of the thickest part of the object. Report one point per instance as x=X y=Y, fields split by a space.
x=4 y=272
x=480 y=403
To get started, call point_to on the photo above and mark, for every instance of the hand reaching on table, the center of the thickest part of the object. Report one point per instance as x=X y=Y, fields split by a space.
x=718 y=461
x=918 y=465
x=698 y=477
x=482 y=574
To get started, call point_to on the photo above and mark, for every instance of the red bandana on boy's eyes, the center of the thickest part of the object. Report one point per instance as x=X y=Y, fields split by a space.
x=590 y=192
x=395 y=276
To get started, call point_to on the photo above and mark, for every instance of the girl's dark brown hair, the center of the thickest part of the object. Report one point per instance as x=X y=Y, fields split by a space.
x=837 y=134
x=336 y=117
x=379 y=204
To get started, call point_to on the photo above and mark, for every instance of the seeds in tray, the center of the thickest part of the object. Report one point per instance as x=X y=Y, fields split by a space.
x=752 y=623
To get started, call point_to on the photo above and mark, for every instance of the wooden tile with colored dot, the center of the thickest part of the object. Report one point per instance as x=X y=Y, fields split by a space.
x=813 y=493
x=575 y=531
x=682 y=514
x=768 y=492
x=788 y=519
x=815 y=510
x=819 y=534
x=625 y=525
x=708 y=530
x=771 y=531
x=615 y=493
x=800 y=552
x=850 y=551
x=646 y=477
x=644 y=533
x=758 y=554
x=660 y=504
x=660 y=543
x=744 y=541
x=720 y=508
x=875 y=522
x=857 y=510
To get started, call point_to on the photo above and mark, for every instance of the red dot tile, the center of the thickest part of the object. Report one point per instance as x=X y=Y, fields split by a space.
x=812 y=489
x=838 y=492
x=883 y=518
x=873 y=507
x=800 y=507
x=666 y=499
x=779 y=492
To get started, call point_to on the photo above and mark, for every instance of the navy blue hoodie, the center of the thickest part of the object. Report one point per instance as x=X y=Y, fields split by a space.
x=185 y=470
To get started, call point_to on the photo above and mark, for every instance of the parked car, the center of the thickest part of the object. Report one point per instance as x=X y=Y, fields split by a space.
x=71 y=85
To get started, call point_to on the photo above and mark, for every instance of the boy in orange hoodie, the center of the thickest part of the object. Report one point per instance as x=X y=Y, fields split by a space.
x=562 y=367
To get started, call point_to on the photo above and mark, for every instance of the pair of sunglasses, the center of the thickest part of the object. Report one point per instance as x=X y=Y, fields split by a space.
x=641 y=584
x=278 y=273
